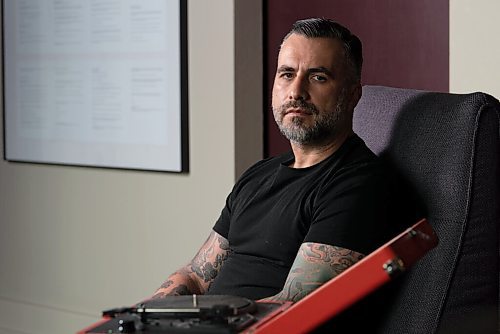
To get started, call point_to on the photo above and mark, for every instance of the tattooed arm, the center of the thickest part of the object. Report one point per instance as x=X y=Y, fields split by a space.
x=314 y=265
x=196 y=276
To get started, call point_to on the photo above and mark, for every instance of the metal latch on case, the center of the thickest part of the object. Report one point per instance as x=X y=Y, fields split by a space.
x=394 y=266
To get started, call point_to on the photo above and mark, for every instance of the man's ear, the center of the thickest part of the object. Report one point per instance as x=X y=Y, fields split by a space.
x=355 y=96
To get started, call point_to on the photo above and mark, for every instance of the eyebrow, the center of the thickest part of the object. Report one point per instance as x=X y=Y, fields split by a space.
x=284 y=68
x=321 y=69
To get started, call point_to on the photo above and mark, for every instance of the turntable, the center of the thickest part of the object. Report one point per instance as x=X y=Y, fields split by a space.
x=229 y=314
x=195 y=314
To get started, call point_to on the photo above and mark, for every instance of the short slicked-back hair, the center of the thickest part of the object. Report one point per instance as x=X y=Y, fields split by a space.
x=320 y=27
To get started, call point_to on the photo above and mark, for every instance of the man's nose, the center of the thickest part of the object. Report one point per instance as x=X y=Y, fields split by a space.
x=298 y=89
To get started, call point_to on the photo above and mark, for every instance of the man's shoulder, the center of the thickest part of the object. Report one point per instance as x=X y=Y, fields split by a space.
x=354 y=167
x=352 y=154
x=267 y=164
x=359 y=151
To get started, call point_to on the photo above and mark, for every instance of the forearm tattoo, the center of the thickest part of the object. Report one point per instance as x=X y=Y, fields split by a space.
x=196 y=277
x=178 y=290
x=179 y=283
x=210 y=258
x=167 y=284
x=315 y=264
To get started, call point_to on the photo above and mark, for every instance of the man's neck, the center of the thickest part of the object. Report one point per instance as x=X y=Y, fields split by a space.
x=310 y=155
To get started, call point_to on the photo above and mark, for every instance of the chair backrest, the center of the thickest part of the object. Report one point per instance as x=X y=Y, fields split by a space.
x=447 y=147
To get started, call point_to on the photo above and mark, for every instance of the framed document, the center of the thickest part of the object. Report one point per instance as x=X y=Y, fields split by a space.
x=99 y=83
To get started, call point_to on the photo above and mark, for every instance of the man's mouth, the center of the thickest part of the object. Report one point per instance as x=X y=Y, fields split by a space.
x=297 y=112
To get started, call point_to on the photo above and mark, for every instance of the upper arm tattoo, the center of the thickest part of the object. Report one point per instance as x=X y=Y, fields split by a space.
x=209 y=259
x=314 y=265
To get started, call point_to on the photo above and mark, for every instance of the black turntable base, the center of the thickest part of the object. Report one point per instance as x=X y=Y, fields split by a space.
x=186 y=314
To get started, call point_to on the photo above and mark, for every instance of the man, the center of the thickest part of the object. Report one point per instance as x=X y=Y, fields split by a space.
x=295 y=221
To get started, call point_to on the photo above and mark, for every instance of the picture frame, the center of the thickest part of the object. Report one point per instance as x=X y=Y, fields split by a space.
x=96 y=83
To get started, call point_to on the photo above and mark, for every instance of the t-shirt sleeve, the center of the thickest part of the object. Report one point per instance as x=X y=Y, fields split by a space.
x=350 y=210
x=222 y=224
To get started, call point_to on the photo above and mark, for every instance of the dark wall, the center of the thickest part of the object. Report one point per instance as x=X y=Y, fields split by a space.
x=405 y=43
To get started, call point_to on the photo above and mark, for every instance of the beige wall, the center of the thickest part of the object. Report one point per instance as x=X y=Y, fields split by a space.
x=74 y=241
x=475 y=46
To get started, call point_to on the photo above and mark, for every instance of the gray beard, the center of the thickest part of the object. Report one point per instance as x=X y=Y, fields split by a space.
x=325 y=124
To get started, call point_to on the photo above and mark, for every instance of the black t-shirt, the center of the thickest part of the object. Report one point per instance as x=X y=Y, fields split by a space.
x=273 y=209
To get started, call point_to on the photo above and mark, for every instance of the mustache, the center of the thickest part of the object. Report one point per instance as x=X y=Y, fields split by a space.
x=298 y=104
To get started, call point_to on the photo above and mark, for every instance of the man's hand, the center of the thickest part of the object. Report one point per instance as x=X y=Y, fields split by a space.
x=196 y=277
x=314 y=265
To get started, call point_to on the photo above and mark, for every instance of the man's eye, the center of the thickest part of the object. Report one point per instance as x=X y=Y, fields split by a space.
x=318 y=77
x=286 y=75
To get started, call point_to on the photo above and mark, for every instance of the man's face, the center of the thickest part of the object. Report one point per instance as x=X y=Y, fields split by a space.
x=310 y=94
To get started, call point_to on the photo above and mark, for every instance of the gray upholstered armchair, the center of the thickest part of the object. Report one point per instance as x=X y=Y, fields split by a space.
x=447 y=147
